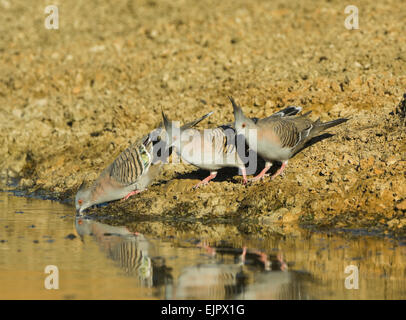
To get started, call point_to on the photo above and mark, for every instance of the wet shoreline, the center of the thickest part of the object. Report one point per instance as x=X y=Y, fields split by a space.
x=370 y=195
x=154 y=260
x=259 y=226
x=72 y=99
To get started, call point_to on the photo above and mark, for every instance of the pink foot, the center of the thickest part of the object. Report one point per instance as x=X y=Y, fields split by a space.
x=211 y=251
x=130 y=194
x=280 y=170
x=134 y=233
x=262 y=174
x=284 y=266
x=206 y=181
x=263 y=257
x=244 y=253
x=244 y=175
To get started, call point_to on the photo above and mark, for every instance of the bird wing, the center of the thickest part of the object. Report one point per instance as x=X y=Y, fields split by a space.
x=289 y=111
x=133 y=162
x=287 y=131
x=223 y=138
x=216 y=147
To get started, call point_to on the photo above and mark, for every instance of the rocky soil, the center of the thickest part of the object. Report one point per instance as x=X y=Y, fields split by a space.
x=72 y=99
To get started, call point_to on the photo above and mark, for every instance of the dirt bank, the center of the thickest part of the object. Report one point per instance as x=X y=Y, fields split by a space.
x=72 y=99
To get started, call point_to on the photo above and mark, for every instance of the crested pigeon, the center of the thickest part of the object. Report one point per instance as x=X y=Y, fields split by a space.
x=132 y=250
x=212 y=149
x=278 y=138
x=131 y=172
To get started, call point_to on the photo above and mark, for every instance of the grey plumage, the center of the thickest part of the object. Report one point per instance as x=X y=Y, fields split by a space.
x=209 y=149
x=213 y=149
x=278 y=138
x=131 y=172
x=133 y=162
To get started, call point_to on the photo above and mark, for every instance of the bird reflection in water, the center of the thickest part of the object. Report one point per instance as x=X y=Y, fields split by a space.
x=229 y=275
x=131 y=250
x=218 y=272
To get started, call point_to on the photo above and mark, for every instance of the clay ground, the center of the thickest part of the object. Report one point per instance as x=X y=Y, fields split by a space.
x=72 y=99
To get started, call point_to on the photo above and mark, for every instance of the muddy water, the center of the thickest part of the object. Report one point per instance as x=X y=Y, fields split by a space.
x=96 y=261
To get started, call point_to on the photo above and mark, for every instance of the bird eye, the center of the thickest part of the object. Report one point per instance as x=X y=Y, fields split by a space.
x=80 y=201
x=243 y=125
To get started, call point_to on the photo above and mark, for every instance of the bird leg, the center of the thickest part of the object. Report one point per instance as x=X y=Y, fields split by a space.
x=284 y=266
x=212 y=175
x=244 y=175
x=262 y=174
x=263 y=258
x=130 y=194
x=280 y=170
x=135 y=233
x=211 y=251
x=243 y=254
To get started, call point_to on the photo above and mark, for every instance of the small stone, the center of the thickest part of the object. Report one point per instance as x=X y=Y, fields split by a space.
x=401 y=205
x=387 y=196
x=76 y=90
x=378 y=171
x=392 y=223
x=70 y=236
x=392 y=160
x=367 y=163
x=97 y=48
x=26 y=183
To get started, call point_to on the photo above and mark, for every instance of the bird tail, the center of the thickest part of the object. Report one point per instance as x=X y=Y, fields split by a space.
x=289 y=111
x=171 y=129
x=321 y=126
x=195 y=122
